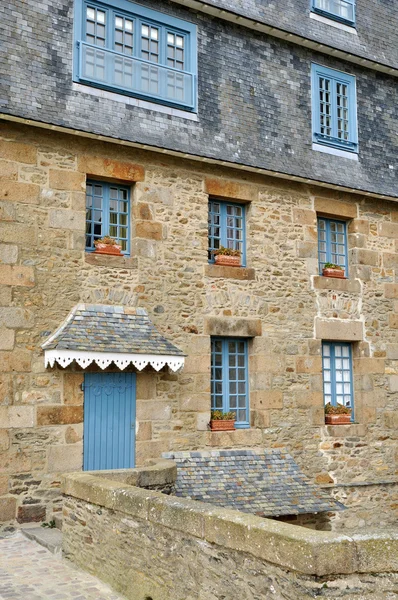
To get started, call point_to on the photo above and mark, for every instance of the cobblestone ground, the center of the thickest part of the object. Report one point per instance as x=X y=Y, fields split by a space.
x=30 y=572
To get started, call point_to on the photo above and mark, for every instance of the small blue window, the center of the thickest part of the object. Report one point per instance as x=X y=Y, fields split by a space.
x=107 y=213
x=227 y=228
x=337 y=374
x=334 y=110
x=338 y=10
x=136 y=51
x=229 y=378
x=332 y=243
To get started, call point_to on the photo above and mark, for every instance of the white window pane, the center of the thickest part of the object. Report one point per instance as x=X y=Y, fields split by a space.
x=100 y=16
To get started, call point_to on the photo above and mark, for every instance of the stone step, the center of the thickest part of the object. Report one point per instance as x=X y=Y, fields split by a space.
x=49 y=538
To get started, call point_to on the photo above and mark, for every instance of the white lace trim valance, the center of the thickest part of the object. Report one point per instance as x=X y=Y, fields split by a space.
x=104 y=359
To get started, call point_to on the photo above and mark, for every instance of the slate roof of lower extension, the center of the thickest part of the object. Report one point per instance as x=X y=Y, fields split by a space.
x=264 y=482
x=103 y=328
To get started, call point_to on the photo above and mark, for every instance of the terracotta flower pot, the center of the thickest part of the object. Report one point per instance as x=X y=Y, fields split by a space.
x=222 y=425
x=337 y=273
x=338 y=419
x=111 y=249
x=225 y=260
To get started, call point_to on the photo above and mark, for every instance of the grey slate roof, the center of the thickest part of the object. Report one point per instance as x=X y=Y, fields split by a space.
x=264 y=482
x=103 y=328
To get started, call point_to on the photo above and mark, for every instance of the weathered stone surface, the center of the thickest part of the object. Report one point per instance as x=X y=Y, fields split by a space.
x=105 y=167
x=364 y=257
x=72 y=388
x=15 y=317
x=232 y=327
x=59 y=415
x=241 y=273
x=336 y=208
x=387 y=229
x=18 y=360
x=390 y=260
x=67 y=219
x=339 y=285
x=33 y=513
x=67 y=180
x=62 y=459
x=334 y=329
x=391 y=290
x=13 y=275
x=23 y=153
x=235 y=190
x=26 y=193
x=17 y=416
x=149 y=230
x=8 y=254
x=7 y=508
x=7 y=339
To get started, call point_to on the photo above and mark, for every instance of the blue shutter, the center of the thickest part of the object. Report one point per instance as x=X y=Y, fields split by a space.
x=334 y=109
x=337 y=374
x=227 y=227
x=332 y=243
x=109 y=421
x=229 y=378
x=136 y=51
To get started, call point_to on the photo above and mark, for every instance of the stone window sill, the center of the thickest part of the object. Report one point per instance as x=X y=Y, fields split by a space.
x=118 y=262
x=337 y=285
x=242 y=273
x=342 y=431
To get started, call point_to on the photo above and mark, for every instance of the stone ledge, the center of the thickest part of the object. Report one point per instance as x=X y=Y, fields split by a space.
x=118 y=262
x=342 y=431
x=337 y=285
x=242 y=273
x=297 y=549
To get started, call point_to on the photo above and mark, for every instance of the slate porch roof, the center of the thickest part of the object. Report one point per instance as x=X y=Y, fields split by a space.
x=111 y=329
x=264 y=482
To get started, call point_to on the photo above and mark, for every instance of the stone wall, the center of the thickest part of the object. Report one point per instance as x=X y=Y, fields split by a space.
x=279 y=301
x=153 y=547
x=258 y=116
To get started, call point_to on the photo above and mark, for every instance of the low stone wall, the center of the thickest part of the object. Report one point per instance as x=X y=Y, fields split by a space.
x=150 y=546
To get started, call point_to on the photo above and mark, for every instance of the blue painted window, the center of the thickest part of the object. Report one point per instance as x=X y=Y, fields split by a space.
x=332 y=243
x=107 y=213
x=227 y=228
x=338 y=10
x=136 y=51
x=334 y=110
x=337 y=374
x=229 y=378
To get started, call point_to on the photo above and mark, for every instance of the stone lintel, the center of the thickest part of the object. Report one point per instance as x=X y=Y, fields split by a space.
x=241 y=273
x=232 y=327
x=336 y=208
x=339 y=329
x=337 y=285
x=118 y=262
x=106 y=167
x=234 y=190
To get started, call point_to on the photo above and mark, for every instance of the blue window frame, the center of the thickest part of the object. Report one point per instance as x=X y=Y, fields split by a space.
x=337 y=374
x=334 y=110
x=332 y=243
x=229 y=378
x=338 y=10
x=107 y=213
x=136 y=51
x=227 y=227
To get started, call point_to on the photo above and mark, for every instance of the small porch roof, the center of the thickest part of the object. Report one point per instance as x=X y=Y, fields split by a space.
x=104 y=334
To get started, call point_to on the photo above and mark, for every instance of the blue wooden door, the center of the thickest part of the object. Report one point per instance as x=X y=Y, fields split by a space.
x=109 y=421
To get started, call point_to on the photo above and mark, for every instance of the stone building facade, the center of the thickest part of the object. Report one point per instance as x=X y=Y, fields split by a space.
x=249 y=143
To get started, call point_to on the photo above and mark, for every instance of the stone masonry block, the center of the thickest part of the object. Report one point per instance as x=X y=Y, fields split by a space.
x=19 y=360
x=352 y=286
x=338 y=329
x=303 y=216
x=232 y=327
x=260 y=419
x=4 y=441
x=8 y=254
x=197 y=364
x=390 y=260
x=72 y=388
x=359 y=256
x=387 y=229
x=153 y=411
x=59 y=415
x=18 y=276
x=67 y=219
x=65 y=458
x=14 y=317
x=16 y=417
x=105 y=167
x=240 y=273
x=393 y=320
x=368 y=365
x=8 y=169
x=26 y=193
x=266 y=364
x=17 y=152
x=306 y=398
x=267 y=399
x=392 y=351
x=17 y=232
x=358 y=226
x=31 y=513
x=391 y=290
x=307 y=249
x=3 y=485
x=336 y=208
x=308 y=364
x=7 y=339
x=7 y=509
x=146 y=386
x=67 y=180
x=149 y=230
x=226 y=188
x=8 y=211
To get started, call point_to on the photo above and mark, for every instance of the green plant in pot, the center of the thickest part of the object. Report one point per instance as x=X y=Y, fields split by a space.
x=108 y=245
x=337 y=415
x=222 y=421
x=227 y=257
x=333 y=270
